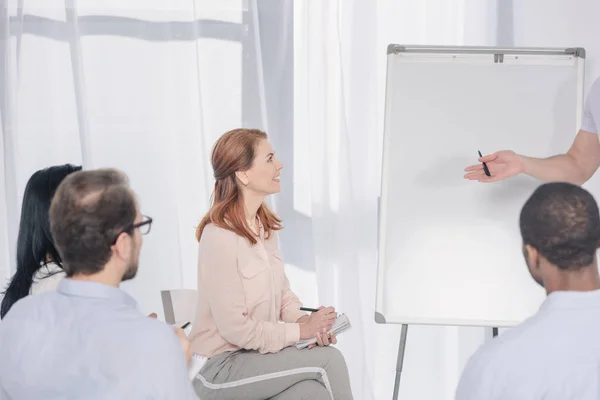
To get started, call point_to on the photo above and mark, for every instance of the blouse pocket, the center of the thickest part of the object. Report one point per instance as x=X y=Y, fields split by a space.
x=277 y=266
x=257 y=283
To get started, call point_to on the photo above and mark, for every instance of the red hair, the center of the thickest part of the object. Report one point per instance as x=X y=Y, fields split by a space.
x=235 y=151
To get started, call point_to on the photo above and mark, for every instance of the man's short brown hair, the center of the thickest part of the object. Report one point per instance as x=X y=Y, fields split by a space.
x=89 y=210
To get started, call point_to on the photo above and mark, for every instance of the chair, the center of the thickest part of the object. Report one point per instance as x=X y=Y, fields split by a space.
x=179 y=305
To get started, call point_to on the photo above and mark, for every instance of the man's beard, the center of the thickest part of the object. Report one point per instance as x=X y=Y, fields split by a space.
x=131 y=271
x=133 y=267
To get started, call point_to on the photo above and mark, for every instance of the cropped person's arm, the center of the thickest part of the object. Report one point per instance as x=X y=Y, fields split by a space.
x=583 y=158
x=227 y=300
x=576 y=166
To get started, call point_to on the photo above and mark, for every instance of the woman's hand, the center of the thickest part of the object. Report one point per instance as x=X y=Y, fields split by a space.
x=319 y=322
x=324 y=339
x=185 y=343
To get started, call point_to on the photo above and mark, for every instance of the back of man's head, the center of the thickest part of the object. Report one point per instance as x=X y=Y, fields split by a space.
x=89 y=210
x=562 y=222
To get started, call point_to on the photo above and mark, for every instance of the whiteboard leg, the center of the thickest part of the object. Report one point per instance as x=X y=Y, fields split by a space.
x=400 y=360
x=490 y=333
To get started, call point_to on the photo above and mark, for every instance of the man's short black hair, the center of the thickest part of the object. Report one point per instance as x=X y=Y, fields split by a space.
x=90 y=209
x=562 y=222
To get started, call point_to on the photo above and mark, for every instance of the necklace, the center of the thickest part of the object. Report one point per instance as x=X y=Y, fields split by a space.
x=252 y=225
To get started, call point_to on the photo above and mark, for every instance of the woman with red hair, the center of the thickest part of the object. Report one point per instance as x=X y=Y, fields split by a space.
x=247 y=318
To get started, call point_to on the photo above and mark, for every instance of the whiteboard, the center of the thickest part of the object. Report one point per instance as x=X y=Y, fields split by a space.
x=450 y=249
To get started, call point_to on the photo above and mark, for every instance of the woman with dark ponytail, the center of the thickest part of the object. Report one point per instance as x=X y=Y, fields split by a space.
x=39 y=267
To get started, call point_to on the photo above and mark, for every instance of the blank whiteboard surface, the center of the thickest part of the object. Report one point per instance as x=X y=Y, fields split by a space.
x=450 y=249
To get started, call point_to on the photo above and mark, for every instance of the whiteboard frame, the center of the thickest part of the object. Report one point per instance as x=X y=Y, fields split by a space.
x=498 y=53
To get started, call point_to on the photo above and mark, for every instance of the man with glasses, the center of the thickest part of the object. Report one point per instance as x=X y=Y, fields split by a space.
x=89 y=340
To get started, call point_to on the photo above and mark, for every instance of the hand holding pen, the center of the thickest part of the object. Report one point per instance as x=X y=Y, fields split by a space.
x=319 y=322
x=496 y=166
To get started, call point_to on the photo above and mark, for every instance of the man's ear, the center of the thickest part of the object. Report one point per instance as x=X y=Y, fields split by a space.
x=533 y=254
x=121 y=245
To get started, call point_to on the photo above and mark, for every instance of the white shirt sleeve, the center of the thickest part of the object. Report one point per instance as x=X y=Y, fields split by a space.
x=591 y=109
x=587 y=123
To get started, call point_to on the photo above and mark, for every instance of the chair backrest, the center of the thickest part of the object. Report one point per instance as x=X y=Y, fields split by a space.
x=179 y=305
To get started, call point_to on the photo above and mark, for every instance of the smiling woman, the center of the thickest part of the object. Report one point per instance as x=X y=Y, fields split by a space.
x=247 y=318
x=243 y=157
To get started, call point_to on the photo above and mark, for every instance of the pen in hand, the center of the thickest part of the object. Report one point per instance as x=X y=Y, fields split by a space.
x=308 y=309
x=485 y=167
x=312 y=310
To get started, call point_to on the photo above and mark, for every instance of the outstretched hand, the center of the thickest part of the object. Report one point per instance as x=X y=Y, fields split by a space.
x=501 y=164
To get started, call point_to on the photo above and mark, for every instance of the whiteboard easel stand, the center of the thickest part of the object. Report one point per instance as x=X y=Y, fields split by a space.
x=400 y=359
x=498 y=55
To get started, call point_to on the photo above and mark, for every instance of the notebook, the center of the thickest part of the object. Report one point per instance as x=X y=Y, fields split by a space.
x=195 y=365
x=341 y=324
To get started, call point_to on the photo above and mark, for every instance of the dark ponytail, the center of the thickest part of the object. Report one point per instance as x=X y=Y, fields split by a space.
x=34 y=244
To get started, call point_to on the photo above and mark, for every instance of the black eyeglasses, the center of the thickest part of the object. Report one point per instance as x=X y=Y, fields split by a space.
x=143 y=226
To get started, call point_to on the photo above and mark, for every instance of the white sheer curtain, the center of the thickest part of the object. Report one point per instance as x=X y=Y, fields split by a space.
x=339 y=73
x=147 y=86
x=340 y=50
x=143 y=86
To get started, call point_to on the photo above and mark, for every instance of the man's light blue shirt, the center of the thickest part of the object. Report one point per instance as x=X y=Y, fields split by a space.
x=554 y=355
x=88 y=341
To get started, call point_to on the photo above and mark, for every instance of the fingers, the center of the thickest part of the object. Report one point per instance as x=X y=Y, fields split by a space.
x=482 y=177
x=476 y=167
x=327 y=310
x=324 y=339
x=493 y=178
x=488 y=158
x=475 y=175
x=319 y=340
x=153 y=315
x=328 y=318
x=333 y=338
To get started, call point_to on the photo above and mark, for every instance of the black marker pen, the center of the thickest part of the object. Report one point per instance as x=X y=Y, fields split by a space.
x=485 y=168
x=308 y=309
